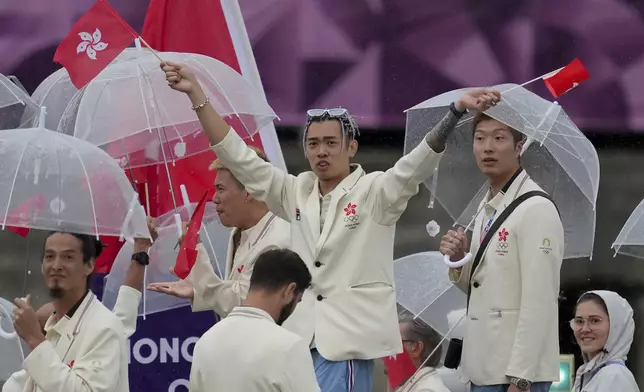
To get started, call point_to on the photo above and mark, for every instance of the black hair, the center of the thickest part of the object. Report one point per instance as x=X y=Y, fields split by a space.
x=517 y=136
x=91 y=248
x=277 y=268
x=348 y=126
x=592 y=297
x=419 y=331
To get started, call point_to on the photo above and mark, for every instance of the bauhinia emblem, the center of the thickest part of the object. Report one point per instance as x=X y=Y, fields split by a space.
x=91 y=43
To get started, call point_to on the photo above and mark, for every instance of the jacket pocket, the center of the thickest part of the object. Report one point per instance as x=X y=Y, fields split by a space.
x=371 y=285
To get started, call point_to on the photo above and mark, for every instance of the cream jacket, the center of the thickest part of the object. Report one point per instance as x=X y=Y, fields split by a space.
x=511 y=327
x=426 y=380
x=351 y=306
x=86 y=352
x=222 y=295
x=248 y=352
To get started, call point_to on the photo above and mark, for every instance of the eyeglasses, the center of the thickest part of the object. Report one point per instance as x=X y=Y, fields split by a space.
x=592 y=323
x=337 y=112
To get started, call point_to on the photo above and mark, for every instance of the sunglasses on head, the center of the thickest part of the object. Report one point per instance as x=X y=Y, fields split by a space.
x=337 y=112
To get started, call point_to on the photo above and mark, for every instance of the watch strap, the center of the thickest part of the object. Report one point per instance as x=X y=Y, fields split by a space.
x=142 y=258
x=456 y=112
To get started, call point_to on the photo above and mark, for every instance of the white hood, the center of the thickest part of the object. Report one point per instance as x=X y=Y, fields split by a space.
x=614 y=376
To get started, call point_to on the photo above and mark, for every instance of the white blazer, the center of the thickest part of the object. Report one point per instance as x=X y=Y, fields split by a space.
x=86 y=352
x=248 y=352
x=426 y=380
x=222 y=295
x=511 y=328
x=351 y=306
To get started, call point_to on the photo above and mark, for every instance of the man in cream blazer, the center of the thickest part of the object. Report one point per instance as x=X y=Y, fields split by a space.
x=511 y=332
x=342 y=225
x=84 y=346
x=256 y=231
x=249 y=351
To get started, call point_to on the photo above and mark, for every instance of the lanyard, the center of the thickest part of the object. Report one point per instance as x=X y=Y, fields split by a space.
x=487 y=226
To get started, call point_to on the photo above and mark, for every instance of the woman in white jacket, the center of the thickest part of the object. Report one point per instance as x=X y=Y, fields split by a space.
x=603 y=326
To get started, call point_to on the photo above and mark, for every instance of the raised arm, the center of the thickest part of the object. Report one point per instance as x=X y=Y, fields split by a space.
x=262 y=180
x=540 y=271
x=393 y=189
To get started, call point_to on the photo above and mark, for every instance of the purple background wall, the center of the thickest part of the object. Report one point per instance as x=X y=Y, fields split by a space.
x=379 y=57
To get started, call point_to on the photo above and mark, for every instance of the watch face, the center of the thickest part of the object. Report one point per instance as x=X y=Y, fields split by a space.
x=523 y=384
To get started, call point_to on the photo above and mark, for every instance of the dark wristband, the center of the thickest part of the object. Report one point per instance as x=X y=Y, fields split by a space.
x=452 y=108
x=142 y=258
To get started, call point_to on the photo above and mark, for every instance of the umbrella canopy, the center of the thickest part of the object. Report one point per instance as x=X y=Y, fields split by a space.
x=16 y=106
x=10 y=346
x=424 y=289
x=630 y=240
x=557 y=156
x=52 y=181
x=163 y=255
x=130 y=111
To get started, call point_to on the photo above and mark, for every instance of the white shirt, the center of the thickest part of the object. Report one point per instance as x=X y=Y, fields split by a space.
x=248 y=352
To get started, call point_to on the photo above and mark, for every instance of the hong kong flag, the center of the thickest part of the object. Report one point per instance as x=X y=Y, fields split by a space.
x=95 y=40
x=188 y=252
x=399 y=368
x=567 y=78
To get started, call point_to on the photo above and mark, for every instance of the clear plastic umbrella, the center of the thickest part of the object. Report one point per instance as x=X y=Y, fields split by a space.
x=557 y=156
x=630 y=240
x=16 y=106
x=10 y=344
x=130 y=111
x=163 y=255
x=52 y=181
x=424 y=289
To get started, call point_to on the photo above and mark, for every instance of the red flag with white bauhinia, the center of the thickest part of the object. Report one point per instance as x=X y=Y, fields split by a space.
x=188 y=252
x=567 y=78
x=399 y=368
x=94 y=41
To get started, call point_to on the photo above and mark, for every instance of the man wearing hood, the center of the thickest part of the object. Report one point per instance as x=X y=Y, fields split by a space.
x=603 y=326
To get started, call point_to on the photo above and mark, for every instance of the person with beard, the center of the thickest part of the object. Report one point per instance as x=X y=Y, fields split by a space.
x=84 y=347
x=256 y=230
x=249 y=350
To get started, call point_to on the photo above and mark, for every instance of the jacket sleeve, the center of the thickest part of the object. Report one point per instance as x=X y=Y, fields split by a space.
x=298 y=371
x=17 y=382
x=126 y=309
x=461 y=276
x=540 y=269
x=262 y=180
x=213 y=293
x=392 y=189
x=98 y=370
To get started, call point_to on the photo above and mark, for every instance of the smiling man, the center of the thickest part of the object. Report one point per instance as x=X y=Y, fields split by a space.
x=513 y=288
x=256 y=231
x=83 y=348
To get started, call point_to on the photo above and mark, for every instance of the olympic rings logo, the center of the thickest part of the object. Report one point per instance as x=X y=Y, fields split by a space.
x=351 y=219
x=502 y=245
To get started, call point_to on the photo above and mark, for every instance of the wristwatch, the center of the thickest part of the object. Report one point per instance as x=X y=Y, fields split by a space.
x=141 y=258
x=520 y=383
x=456 y=112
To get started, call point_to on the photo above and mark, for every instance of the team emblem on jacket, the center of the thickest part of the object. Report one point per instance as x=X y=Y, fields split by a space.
x=502 y=243
x=545 y=246
x=351 y=217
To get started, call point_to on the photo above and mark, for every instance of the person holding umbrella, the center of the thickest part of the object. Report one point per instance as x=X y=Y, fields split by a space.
x=513 y=283
x=342 y=225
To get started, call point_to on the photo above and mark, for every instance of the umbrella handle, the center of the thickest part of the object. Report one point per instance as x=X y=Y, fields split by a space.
x=457 y=264
x=4 y=334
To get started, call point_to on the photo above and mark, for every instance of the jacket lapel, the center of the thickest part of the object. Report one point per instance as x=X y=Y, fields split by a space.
x=312 y=214
x=230 y=253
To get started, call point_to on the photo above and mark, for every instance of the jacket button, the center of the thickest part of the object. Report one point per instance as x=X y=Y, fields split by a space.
x=318 y=264
x=320 y=298
x=476 y=284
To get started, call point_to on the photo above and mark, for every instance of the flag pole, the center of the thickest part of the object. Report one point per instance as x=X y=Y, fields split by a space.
x=534 y=80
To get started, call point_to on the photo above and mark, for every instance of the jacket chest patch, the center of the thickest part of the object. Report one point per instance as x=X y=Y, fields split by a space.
x=502 y=243
x=351 y=216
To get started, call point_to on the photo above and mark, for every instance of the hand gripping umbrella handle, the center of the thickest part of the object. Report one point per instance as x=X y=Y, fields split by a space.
x=457 y=264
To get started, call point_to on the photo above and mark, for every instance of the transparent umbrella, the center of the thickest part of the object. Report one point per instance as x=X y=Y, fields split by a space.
x=557 y=156
x=16 y=106
x=130 y=111
x=10 y=344
x=630 y=240
x=163 y=255
x=52 y=181
x=424 y=289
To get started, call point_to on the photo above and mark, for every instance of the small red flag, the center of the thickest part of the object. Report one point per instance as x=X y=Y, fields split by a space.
x=21 y=215
x=566 y=79
x=399 y=368
x=95 y=40
x=188 y=252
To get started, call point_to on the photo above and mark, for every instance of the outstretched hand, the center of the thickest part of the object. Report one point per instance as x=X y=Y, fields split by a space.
x=180 y=289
